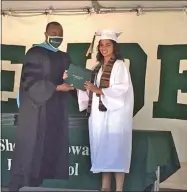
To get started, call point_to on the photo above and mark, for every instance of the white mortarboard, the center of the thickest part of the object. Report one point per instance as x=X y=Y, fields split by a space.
x=103 y=34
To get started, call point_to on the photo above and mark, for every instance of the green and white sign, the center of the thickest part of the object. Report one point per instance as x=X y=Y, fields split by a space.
x=154 y=46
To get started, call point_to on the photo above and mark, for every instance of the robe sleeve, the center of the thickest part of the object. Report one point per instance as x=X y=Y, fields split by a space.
x=67 y=61
x=33 y=78
x=83 y=99
x=113 y=97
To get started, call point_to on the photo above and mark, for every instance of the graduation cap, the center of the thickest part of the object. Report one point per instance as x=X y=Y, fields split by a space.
x=103 y=34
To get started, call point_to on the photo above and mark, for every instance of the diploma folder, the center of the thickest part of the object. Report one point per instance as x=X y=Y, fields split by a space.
x=77 y=76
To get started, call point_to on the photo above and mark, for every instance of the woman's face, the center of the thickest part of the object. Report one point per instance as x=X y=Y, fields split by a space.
x=106 y=48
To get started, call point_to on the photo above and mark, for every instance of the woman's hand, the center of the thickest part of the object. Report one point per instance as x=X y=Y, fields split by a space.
x=91 y=87
x=65 y=75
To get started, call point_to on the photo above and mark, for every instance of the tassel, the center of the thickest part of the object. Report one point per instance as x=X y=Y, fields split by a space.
x=90 y=49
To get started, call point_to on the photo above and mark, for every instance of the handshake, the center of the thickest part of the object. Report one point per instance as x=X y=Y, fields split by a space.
x=67 y=87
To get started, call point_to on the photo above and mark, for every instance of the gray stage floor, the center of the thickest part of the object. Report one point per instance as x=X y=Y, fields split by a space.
x=37 y=189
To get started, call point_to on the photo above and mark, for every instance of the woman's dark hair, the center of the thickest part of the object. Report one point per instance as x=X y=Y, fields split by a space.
x=116 y=52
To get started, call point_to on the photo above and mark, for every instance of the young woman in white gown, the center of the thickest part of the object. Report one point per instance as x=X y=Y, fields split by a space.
x=110 y=100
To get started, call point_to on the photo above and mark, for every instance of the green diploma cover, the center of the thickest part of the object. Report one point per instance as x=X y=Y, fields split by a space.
x=77 y=76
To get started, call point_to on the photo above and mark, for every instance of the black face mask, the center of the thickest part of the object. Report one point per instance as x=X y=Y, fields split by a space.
x=55 y=41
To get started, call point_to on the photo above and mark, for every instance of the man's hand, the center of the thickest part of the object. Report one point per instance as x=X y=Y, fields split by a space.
x=64 y=87
x=65 y=75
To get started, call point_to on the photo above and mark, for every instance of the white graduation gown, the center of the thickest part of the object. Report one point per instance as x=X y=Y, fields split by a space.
x=110 y=132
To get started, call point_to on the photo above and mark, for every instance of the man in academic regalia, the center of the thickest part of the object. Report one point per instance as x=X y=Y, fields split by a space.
x=41 y=150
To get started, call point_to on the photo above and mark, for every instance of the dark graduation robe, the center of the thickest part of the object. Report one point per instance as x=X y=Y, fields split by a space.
x=41 y=150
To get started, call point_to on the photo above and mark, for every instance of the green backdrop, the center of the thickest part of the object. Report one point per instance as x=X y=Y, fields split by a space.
x=146 y=152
